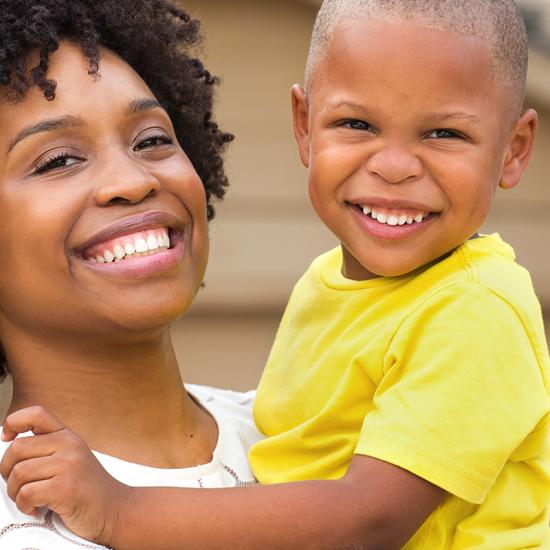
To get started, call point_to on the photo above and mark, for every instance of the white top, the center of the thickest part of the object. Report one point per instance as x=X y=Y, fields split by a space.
x=228 y=468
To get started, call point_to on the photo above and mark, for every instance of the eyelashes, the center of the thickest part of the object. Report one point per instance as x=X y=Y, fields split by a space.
x=56 y=161
x=61 y=160
x=156 y=140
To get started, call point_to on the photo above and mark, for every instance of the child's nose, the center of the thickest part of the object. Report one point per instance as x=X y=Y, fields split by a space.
x=124 y=181
x=394 y=164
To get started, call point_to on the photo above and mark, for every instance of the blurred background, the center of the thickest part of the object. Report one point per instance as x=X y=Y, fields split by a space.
x=265 y=233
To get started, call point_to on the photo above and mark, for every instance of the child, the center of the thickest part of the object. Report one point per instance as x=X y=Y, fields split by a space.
x=409 y=374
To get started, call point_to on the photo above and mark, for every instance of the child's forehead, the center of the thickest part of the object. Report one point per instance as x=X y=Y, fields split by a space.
x=381 y=55
x=498 y=25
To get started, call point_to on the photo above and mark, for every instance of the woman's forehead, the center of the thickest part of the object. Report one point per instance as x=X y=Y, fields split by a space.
x=79 y=95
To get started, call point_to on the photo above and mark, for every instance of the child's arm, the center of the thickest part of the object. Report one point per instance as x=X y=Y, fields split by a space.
x=376 y=505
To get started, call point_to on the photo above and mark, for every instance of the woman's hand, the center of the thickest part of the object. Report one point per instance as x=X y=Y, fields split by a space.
x=56 y=469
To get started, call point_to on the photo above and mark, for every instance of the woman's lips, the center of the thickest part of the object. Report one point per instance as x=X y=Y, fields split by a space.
x=136 y=246
x=133 y=224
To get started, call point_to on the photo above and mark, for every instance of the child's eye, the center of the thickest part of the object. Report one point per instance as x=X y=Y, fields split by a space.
x=153 y=141
x=56 y=161
x=445 y=133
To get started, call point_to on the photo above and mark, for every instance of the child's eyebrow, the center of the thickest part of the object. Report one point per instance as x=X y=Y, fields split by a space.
x=436 y=117
x=460 y=115
x=50 y=125
x=349 y=104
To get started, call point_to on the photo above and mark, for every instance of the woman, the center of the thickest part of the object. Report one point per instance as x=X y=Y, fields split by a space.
x=109 y=161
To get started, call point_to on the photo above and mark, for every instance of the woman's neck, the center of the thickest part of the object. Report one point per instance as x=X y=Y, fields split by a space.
x=126 y=401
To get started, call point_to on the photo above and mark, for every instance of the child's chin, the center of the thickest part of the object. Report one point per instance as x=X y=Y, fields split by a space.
x=394 y=270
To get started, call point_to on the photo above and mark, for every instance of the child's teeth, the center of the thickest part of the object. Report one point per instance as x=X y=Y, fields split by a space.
x=129 y=248
x=100 y=259
x=141 y=246
x=390 y=219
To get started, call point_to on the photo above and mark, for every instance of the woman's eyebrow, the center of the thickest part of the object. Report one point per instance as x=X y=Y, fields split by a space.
x=50 y=125
x=141 y=105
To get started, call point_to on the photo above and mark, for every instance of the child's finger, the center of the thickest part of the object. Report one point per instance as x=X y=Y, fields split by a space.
x=32 y=496
x=25 y=448
x=36 y=419
x=28 y=472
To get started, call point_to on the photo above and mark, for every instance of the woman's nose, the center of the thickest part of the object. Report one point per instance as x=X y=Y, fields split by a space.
x=394 y=164
x=127 y=182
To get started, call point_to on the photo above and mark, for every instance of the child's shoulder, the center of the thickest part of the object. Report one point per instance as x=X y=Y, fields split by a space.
x=481 y=268
x=488 y=273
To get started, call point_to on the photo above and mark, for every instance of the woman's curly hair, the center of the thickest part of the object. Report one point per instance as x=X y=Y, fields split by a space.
x=155 y=37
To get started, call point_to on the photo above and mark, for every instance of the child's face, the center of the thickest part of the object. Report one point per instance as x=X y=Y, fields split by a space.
x=411 y=125
x=92 y=174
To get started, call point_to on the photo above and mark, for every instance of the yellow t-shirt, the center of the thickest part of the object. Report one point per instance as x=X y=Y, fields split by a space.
x=443 y=372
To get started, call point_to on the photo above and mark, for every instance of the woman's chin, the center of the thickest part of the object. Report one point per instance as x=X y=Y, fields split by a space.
x=145 y=317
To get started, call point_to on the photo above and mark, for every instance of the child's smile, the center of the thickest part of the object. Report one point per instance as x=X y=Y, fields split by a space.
x=387 y=220
x=402 y=132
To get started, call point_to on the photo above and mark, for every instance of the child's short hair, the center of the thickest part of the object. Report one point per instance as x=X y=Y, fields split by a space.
x=497 y=22
x=155 y=37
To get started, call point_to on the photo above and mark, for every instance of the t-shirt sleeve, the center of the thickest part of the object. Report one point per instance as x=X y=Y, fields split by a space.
x=462 y=388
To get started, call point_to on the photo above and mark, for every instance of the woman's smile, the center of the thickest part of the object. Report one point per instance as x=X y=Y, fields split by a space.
x=137 y=246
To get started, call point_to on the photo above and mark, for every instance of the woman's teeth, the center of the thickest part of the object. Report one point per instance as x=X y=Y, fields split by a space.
x=144 y=243
x=394 y=219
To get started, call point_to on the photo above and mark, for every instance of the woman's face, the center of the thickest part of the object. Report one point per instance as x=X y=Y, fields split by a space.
x=93 y=175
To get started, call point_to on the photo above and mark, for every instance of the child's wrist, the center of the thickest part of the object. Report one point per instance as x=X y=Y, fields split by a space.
x=117 y=514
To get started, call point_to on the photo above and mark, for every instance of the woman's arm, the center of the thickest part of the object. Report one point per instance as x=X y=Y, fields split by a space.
x=374 y=506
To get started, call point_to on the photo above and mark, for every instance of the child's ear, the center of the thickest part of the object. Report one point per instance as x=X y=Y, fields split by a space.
x=301 y=122
x=520 y=149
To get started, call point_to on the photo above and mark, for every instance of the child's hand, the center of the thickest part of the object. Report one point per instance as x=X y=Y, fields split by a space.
x=56 y=469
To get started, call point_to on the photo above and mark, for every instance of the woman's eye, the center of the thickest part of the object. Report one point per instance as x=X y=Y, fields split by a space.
x=444 y=133
x=56 y=162
x=153 y=141
x=358 y=125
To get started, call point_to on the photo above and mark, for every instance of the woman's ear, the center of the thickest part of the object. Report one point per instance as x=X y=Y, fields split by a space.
x=519 y=149
x=301 y=122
